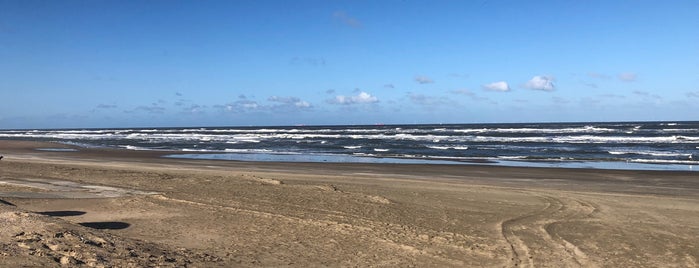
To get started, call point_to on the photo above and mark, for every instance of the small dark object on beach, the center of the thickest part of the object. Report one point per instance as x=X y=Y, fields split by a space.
x=1 y=157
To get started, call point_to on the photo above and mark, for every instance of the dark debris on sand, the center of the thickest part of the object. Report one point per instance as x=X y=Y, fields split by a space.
x=37 y=240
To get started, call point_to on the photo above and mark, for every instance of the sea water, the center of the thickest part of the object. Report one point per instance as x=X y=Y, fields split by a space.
x=616 y=145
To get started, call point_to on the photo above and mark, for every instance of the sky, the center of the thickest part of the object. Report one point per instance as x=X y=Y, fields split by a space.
x=104 y=64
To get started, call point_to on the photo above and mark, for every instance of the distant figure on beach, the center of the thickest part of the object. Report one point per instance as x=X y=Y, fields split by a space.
x=1 y=157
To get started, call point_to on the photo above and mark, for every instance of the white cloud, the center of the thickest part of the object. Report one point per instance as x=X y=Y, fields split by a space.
x=430 y=101
x=559 y=100
x=501 y=86
x=612 y=96
x=589 y=84
x=288 y=104
x=106 y=106
x=277 y=105
x=194 y=109
x=151 y=109
x=463 y=92
x=308 y=61
x=360 y=98
x=598 y=75
x=421 y=79
x=627 y=77
x=240 y=106
x=539 y=82
x=694 y=94
x=302 y=104
x=250 y=105
x=646 y=94
x=102 y=107
x=290 y=101
x=341 y=16
x=470 y=94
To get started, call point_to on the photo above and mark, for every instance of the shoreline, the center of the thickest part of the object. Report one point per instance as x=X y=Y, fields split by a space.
x=253 y=214
x=522 y=176
x=527 y=163
x=264 y=158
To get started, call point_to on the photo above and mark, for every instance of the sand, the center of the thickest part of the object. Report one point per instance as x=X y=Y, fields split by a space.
x=115 y=208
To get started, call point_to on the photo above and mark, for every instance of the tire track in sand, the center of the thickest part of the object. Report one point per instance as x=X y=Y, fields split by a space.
x=532 y=241
x=360 y=227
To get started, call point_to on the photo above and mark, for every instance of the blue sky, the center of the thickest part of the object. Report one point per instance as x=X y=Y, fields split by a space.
x=75 y=64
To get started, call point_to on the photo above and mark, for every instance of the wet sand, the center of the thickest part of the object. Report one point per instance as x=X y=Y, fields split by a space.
x=126 y=208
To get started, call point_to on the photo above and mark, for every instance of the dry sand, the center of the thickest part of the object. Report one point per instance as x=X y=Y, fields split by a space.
x=133 y=209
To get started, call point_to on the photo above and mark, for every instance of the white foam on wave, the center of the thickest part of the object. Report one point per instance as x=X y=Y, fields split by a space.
x=364 y=154
x=589 y=139
x=511 y=157
x=618 y=152
x=690 y=130
x=584 y=129
x=135 y=148
x=448 y=147
x=198 y=150
x=229 y=150
x=663 y=161
x=651 y=153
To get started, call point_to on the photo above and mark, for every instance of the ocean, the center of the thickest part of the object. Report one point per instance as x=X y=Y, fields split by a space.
x=618 y=145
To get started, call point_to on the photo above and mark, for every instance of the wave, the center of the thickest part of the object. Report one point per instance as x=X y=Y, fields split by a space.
x=448 y=147
x=511 y=157
x=229 y=150
x=663 y=161
x=569 y=159
x=198 y=150
x=652 y=153
x=136 y=148
x=584 y=129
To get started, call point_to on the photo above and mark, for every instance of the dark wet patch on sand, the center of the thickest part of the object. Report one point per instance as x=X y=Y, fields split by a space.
x=57 y=149
x=53 y=188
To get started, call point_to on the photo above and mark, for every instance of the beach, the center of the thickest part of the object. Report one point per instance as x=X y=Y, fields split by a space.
x=108 y=207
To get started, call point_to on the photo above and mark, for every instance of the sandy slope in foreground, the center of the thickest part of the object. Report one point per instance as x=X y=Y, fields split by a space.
x=165 y=212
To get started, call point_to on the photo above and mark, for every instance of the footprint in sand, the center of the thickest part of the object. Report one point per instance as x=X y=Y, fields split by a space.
x=263 y=180
x=371 y=198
